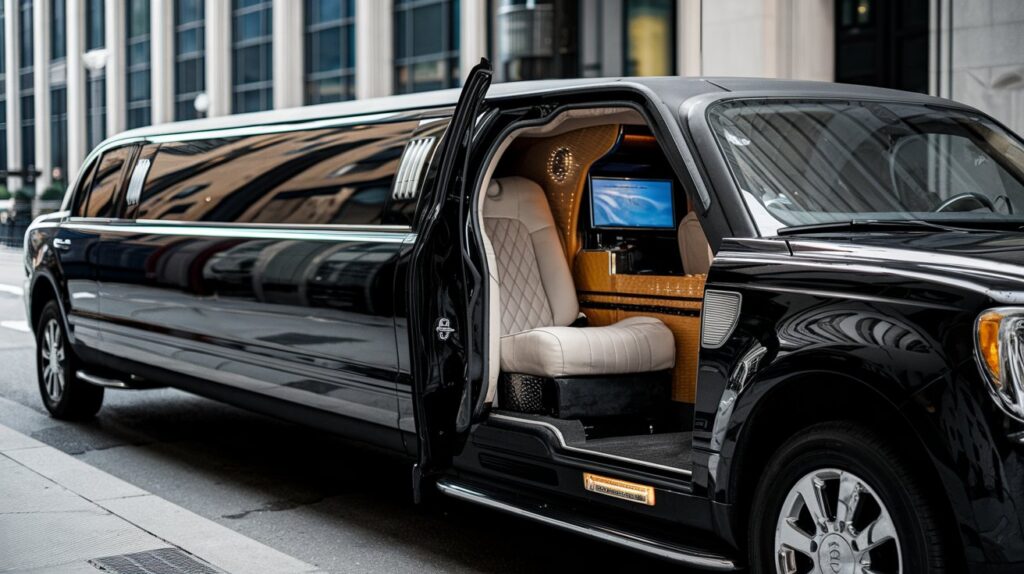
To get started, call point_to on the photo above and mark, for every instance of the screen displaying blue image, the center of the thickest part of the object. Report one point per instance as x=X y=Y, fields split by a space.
x=635 y=203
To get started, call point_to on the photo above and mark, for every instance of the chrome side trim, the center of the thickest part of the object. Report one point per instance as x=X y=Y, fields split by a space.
x=260 y=232
x=287 y=226
x=410 y=170
x=719 y=317
x=102 y=381
x=605 y=534
x=564 y=446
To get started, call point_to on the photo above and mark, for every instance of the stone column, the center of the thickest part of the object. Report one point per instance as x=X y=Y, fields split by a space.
x=374 y=51
x=75 y=39
x=218 y=57
x=41 y=63
x=114 y=41
x=472 y=36
x=688 y=31
x=161 y=69
x=11 y=64
x=287 y=54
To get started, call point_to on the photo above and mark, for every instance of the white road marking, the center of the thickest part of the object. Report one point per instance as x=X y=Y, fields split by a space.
x=12 y=290
x=16 y=325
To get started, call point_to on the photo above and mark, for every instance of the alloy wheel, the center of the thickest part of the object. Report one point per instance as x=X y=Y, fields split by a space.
x=833 y=522
x=52 y=352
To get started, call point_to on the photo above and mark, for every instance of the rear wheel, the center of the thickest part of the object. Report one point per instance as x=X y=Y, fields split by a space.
x=837 y=499
x=63 y=394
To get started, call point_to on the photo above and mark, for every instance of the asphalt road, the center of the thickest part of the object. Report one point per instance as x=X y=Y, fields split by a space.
x=340 y=506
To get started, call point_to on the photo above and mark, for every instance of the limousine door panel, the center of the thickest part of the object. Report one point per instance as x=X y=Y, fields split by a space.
x=445 y=278
x=265 y=263
x=78 y=240
x=305 y=317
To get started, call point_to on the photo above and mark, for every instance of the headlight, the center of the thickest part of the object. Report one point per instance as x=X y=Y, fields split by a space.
x=999 y=346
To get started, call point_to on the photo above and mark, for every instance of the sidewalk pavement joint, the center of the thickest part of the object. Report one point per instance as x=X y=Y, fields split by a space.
x=59 y=514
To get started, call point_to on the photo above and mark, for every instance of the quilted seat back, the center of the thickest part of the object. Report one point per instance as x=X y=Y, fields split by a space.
x=535 y=284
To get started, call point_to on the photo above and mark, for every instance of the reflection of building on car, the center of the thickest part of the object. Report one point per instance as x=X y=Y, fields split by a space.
x=727 y=322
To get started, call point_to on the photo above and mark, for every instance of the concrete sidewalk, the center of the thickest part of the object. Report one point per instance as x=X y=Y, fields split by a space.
x=60 y=515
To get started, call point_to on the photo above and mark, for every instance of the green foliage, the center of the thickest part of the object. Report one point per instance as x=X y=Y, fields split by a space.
x=54 y=192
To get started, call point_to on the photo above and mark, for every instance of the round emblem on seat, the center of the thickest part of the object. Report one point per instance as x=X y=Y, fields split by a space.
x=561 y=164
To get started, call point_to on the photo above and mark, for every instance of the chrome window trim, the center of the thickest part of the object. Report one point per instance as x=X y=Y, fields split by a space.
x=248 y=232
x=283 y=226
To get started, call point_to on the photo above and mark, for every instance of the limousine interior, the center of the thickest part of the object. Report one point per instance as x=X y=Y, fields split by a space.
x=599 y=265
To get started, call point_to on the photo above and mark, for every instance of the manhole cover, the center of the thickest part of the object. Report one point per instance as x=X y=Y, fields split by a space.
x=159 y=561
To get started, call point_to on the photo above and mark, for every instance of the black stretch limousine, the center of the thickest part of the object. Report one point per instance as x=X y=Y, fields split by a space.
x=733 y=323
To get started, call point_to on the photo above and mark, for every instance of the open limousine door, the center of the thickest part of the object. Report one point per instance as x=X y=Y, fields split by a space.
x=446 y=280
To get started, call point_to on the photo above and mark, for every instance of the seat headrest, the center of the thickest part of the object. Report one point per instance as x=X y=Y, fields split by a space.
x=518 y=198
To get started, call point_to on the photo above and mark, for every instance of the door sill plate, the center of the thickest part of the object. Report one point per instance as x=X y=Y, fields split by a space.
x=573 y=522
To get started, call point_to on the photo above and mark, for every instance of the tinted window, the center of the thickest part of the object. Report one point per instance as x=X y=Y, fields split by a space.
x=81 y=197
x=328 y=176
x=106 y=183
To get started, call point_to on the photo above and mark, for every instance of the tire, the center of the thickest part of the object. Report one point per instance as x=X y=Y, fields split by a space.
x=63 y=394
x=829 y=461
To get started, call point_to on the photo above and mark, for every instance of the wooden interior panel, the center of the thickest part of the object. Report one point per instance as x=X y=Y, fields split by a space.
x=607 y=297
x=565 y=188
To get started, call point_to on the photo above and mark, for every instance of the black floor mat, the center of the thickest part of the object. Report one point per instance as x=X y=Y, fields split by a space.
x=671 y=449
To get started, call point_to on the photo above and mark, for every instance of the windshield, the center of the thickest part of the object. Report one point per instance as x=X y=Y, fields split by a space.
x=813 y=162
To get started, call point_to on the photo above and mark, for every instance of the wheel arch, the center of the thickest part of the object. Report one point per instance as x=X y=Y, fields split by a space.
x=853 y=397
x=42 y=290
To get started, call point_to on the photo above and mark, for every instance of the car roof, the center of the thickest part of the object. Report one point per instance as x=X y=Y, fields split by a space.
x=673 y=90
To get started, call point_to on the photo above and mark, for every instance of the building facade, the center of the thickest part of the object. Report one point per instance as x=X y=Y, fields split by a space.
x=73 y=72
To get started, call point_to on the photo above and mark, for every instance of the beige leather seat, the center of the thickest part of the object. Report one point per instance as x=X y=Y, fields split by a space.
x=538 y=298
x=693 y=246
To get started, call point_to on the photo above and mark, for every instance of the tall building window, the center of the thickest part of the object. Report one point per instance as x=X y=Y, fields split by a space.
x=3 y=91
x=252 y=60
x=58 y=93
x=28 y=113
x=330 y=51
x=94 y=29
x=537 y=39
x=96 y=82
x=426 y=45
x=96 y=106
x=882 y=43
x=59 y=133
x=650 y=46
x=189 y=52
x=137 y=88
x=58 y=31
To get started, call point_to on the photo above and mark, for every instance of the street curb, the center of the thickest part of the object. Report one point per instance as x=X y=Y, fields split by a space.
x=201 y=537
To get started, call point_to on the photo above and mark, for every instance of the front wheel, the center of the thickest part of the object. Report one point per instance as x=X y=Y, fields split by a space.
x=837 y=499
x=64 y=395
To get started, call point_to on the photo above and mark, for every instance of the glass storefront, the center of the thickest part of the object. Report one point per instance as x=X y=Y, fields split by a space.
x=649 y=45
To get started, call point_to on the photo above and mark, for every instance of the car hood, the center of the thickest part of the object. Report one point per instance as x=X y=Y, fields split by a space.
x=988 y=263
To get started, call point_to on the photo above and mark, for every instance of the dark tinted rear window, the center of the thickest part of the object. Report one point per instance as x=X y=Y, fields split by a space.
x=106 y=183
x=329 y=176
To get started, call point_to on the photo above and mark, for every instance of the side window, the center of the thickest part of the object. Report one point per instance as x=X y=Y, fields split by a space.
x=315 y=177
x=80 y=199
x=106 y=182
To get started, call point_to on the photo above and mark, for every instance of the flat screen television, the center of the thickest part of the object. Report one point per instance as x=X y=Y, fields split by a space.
x=621 y=203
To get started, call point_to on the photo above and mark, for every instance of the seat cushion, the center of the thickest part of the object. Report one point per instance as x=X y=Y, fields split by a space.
x=633 y=345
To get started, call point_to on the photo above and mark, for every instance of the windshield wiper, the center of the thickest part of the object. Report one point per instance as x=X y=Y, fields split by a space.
x=855 y=225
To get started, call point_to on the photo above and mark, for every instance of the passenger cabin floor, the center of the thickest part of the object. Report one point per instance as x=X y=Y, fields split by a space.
x=673 y=449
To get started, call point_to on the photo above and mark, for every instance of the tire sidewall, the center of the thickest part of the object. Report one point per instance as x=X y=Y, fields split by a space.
x=830 y=447
x=76 y=401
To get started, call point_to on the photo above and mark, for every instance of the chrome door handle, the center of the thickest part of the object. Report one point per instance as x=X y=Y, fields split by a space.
x=61 y=243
